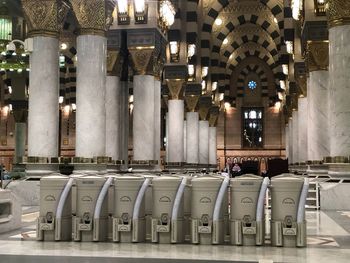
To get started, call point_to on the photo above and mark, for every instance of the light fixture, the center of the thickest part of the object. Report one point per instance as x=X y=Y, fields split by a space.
x=167 y=13
x=296 y=7
x=2 y=69
x=14 y=54
x=218 y=22
x=66 y=109
x=11 y=69
x=74 y=106
x=3 y=53
x=227 y=105
x=231 y=56
x=205 y=71
x=289 y=46
x=214 y=86
x=19 y=70
x=174 y=51
x=191 y=70
x=320 y=7
x=131 y=106
x=191 y=50
x=60 y=99
x=64 y=46
x=283 y=84
x=140 y=12
x=10 y=89
x=225 y=41
x=204 y=85
x=280 y=95
x=5 y=111
x=123 y=12
x=285 y=69
x=131 y=98
x=275 y=20
x=221 y=96
x=27 y=69
x=10 y=107
x=24 y=55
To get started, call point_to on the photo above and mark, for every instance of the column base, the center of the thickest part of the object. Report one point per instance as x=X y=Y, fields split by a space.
x=174 y=167
x=93 y=166
x=298 y=168
x=115 y=166
x=316 y=169
x=40 y=166
x=144 y=166
x=191 y=167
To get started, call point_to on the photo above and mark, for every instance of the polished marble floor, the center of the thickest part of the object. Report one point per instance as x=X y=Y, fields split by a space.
x=328 y=241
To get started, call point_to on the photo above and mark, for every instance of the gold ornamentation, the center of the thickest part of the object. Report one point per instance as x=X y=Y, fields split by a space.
x=20 y=115
x=317 y=55
x=175 y=88
x=338 y=12
x=91 y=16
x=203 y=113
x=42 y=17
x=158 y=68
x=191 y=102
x=141 y=58
x=213 y=119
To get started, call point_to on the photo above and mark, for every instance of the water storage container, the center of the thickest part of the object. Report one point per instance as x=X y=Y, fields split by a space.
x=51 y=188
x=288 y=225
x=167 y=222
x=245 y=230
x=205 y=191
x=125 y=227
x=85 y=225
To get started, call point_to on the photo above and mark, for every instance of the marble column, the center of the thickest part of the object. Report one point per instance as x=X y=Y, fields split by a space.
x=113 y=114
x=176 y=127
x=43 y=117
x=20 y=140
x=286 y=132
x=157 y=120
x=318 y=130
x=212 y=147
x=192 y=137
x=143 y=118
x=290 y=141
x=124 y=123
x=302 y=129
x=185 y=140
x=295 y=137
x=203 y=142
x=167 y=137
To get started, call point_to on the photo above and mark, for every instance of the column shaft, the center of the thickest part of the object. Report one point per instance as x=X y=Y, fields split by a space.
x=286 y=132
x=185 y=141
x=143 y=118
x=91 y=111
x=318 y=136
x=339 y=57
x=124 y=123
x=20 y=139
x=113 y=114
x=203 y=142
x=212 y=146
x=295 y=137
x=192 y=137
x=157 y=121
x=176 y=128
x=290 y=142
x=302 y=129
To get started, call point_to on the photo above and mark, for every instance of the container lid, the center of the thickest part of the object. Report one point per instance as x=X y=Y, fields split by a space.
x=206 y=181
x=247 y=181
x=129 y=178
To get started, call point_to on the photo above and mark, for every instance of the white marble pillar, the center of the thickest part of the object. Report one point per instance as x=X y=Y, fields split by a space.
x=203 y=142
x=43 y=115
x=290 y=141
x=212 y=146
x=192 y=137
x=91 y=111
x=113 y=113
x=318 y=128
x=339 y=115
x=295 y=137
x=176 y=128
x=302 y=129
x=143 y=118
x=157 y=121
x=167 y=137
x=185 y=141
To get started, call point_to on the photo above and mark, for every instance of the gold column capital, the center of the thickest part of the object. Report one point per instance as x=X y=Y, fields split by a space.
x=338 y=12
x=302 y=85
x=204 y=105
x=44 y=17
x=175 y=88
x=214 y=116
x=317 y=55
x=93 y=16
x=141 y=57
x=191 y=102
x=114 y=63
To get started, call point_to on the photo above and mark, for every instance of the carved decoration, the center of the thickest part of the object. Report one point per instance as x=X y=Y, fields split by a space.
x=191 y=102
x=91 y=16
x=338 y=12
x=141 y=58
x=213 y=116
x=114 y=63
x=204 y=106
x=42 y=17
x=175 y=88
x=317 y=55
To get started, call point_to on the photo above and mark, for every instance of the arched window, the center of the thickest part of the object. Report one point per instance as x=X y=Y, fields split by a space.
x=252 y=132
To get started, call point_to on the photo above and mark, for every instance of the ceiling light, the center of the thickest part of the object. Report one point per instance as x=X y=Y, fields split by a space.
x=167 y=12
x=60 y=99
x=10 y=89
x=204 y=85
x=122 y=6
x=225 y=41
x=64 y=46
x=205 y=72
x=191 y=70
x=275 y=20
x=139 y=6
x=218 y=22
x=296 y=7
x=214 y=86
x=283 y=84
x=285 y=69
x=221 y=96
x=191 y=50
x=289 y=46
x=74 y=106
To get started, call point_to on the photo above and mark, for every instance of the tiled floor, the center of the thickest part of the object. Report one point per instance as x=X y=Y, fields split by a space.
x=328 y=241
